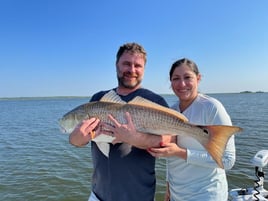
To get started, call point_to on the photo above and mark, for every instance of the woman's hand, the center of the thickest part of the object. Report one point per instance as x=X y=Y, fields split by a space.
x=167 y=150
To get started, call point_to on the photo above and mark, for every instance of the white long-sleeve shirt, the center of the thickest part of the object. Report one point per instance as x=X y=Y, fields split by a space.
x=199 y=177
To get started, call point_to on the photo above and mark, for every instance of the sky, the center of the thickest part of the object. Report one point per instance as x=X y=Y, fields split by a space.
x=68 y=47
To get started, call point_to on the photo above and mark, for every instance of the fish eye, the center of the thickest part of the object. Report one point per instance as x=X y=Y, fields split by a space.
x=205 y=130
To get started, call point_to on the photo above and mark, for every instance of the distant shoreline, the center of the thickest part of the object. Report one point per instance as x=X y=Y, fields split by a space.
x=43 y=97
x=69 y=97
x=245 y=92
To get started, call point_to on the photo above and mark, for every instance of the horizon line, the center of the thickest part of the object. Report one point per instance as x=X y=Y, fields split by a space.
x=83 y=96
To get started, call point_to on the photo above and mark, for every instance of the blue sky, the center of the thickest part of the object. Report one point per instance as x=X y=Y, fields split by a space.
x=68 y=47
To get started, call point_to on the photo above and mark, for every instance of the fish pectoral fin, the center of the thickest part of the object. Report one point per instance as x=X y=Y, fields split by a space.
x=104 y=147
x=125 y=149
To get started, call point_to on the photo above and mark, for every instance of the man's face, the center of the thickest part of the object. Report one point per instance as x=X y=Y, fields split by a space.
x=130 y=70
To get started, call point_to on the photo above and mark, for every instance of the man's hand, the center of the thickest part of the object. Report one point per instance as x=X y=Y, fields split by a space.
x=84 y=132
x=127 y=133
x=122 y=132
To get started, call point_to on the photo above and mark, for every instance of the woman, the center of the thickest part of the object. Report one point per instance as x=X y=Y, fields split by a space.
x=192 y=174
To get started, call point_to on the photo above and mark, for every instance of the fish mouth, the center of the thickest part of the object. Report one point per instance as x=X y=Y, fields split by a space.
x=62 y=129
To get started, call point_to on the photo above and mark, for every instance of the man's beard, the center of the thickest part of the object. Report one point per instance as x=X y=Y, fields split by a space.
x=127 y=84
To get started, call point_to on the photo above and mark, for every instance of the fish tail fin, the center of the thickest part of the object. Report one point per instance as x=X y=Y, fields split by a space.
x=218 y=138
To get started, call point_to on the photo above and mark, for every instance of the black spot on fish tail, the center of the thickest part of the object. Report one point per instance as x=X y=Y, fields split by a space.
x=204 y=129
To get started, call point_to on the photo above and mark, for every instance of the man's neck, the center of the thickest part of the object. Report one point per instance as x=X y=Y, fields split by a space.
x=125 y=91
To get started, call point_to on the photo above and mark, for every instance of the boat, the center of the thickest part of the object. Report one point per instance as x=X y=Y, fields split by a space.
x=257 y=192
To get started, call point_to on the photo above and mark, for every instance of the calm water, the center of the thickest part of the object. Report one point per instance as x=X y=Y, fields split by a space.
x=37 y=162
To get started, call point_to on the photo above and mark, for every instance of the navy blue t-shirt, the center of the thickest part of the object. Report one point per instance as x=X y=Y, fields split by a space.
x=124 y=178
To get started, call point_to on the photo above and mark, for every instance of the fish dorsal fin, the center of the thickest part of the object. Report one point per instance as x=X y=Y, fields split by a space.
x=147 y=103
x=112 y=96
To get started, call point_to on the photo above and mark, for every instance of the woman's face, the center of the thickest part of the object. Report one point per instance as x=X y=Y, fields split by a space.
x=184 y=83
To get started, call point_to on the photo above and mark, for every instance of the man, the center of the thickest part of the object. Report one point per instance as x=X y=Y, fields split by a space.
x=122 y=177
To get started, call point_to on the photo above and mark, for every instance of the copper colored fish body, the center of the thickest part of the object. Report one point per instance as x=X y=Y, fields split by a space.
x=150 y=118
